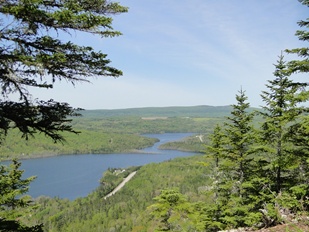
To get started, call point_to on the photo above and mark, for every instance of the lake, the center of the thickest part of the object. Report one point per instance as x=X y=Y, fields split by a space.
x=73 y=176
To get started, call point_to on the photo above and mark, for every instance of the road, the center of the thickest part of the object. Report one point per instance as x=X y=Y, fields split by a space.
x=121 y=185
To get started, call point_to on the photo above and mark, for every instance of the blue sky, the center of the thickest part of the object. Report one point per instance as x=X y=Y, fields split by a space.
x=188 y=52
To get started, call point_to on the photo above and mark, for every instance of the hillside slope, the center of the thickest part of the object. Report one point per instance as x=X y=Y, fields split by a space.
x=173 y=111
x=127 y=209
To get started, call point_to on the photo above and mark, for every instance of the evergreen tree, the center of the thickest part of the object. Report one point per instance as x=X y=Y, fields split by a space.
x=301 y=65
x=232 y=151
x=239 y=135
x=237 y=162
x=34 y=54
x=214 y=154
x=282 y=110
x=13 y=200
x=300 y=128
x=215 y=149
x=173 y=211
x=282 y=117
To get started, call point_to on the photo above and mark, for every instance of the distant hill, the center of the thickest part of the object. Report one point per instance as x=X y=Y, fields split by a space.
x=173 y=111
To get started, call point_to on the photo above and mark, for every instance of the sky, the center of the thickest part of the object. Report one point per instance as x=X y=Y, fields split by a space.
x=187 y=53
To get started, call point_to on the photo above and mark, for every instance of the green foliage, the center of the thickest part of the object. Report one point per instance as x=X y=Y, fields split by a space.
x=14 y=226
x=230 y=156
x=47 y=117
x=301 y=65
x=143 y=125
x=112 y=178
x=215 y=148
x=84 y=143
x=281 y=114
x=260 y=176
x=114 y=134
x=32 y=55
x=13 y=200
x=172 y=209
x=12 y=188
x=127 y=209
x=239 y=137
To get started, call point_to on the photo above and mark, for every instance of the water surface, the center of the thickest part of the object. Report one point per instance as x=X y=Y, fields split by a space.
x=73 y=176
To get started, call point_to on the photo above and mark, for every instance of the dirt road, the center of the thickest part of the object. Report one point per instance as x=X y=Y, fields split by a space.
x=121 y=185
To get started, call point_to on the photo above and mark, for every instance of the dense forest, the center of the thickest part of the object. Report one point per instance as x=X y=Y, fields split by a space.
x=128 y=209
x=251 y=170
x=117 y=131
x=252 y=174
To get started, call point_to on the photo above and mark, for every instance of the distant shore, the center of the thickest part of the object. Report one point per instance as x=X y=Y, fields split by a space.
x=41 y=156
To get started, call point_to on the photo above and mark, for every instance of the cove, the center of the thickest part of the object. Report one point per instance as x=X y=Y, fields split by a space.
x=73 y=176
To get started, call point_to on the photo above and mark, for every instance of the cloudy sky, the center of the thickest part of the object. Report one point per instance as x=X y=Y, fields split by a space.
x=188 y=52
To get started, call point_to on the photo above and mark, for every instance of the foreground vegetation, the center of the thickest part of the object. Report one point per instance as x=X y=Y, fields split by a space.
x=128 y=209
x=252 y=176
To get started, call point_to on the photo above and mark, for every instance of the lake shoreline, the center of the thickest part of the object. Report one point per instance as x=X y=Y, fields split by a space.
x=41 y=156
x=76 y=175
x=116 y=153
x=132 y=151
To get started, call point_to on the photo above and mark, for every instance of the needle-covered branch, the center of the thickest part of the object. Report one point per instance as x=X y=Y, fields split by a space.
x=35 y=52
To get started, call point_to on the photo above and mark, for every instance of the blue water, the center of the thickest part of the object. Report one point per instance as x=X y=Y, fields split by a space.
x=73 y=176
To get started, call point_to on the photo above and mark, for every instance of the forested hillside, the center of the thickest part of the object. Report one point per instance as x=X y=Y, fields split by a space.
x=173 y=111
x=87 y=142
x=252 y=176
x=128 y=209
x=252 y=173
x=116 y=131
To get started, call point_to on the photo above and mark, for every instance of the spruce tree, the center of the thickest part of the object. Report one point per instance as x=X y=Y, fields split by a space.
x=237 y=158
x=239 y=134
x=36 y=52
x=282 y=115
x=301 y=65
x=231 y=149
x=13 y=199
x=173 y=211
x=214 y=155
x=300 y=130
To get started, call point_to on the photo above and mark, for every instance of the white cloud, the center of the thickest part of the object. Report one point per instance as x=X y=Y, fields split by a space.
x=189 y=52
